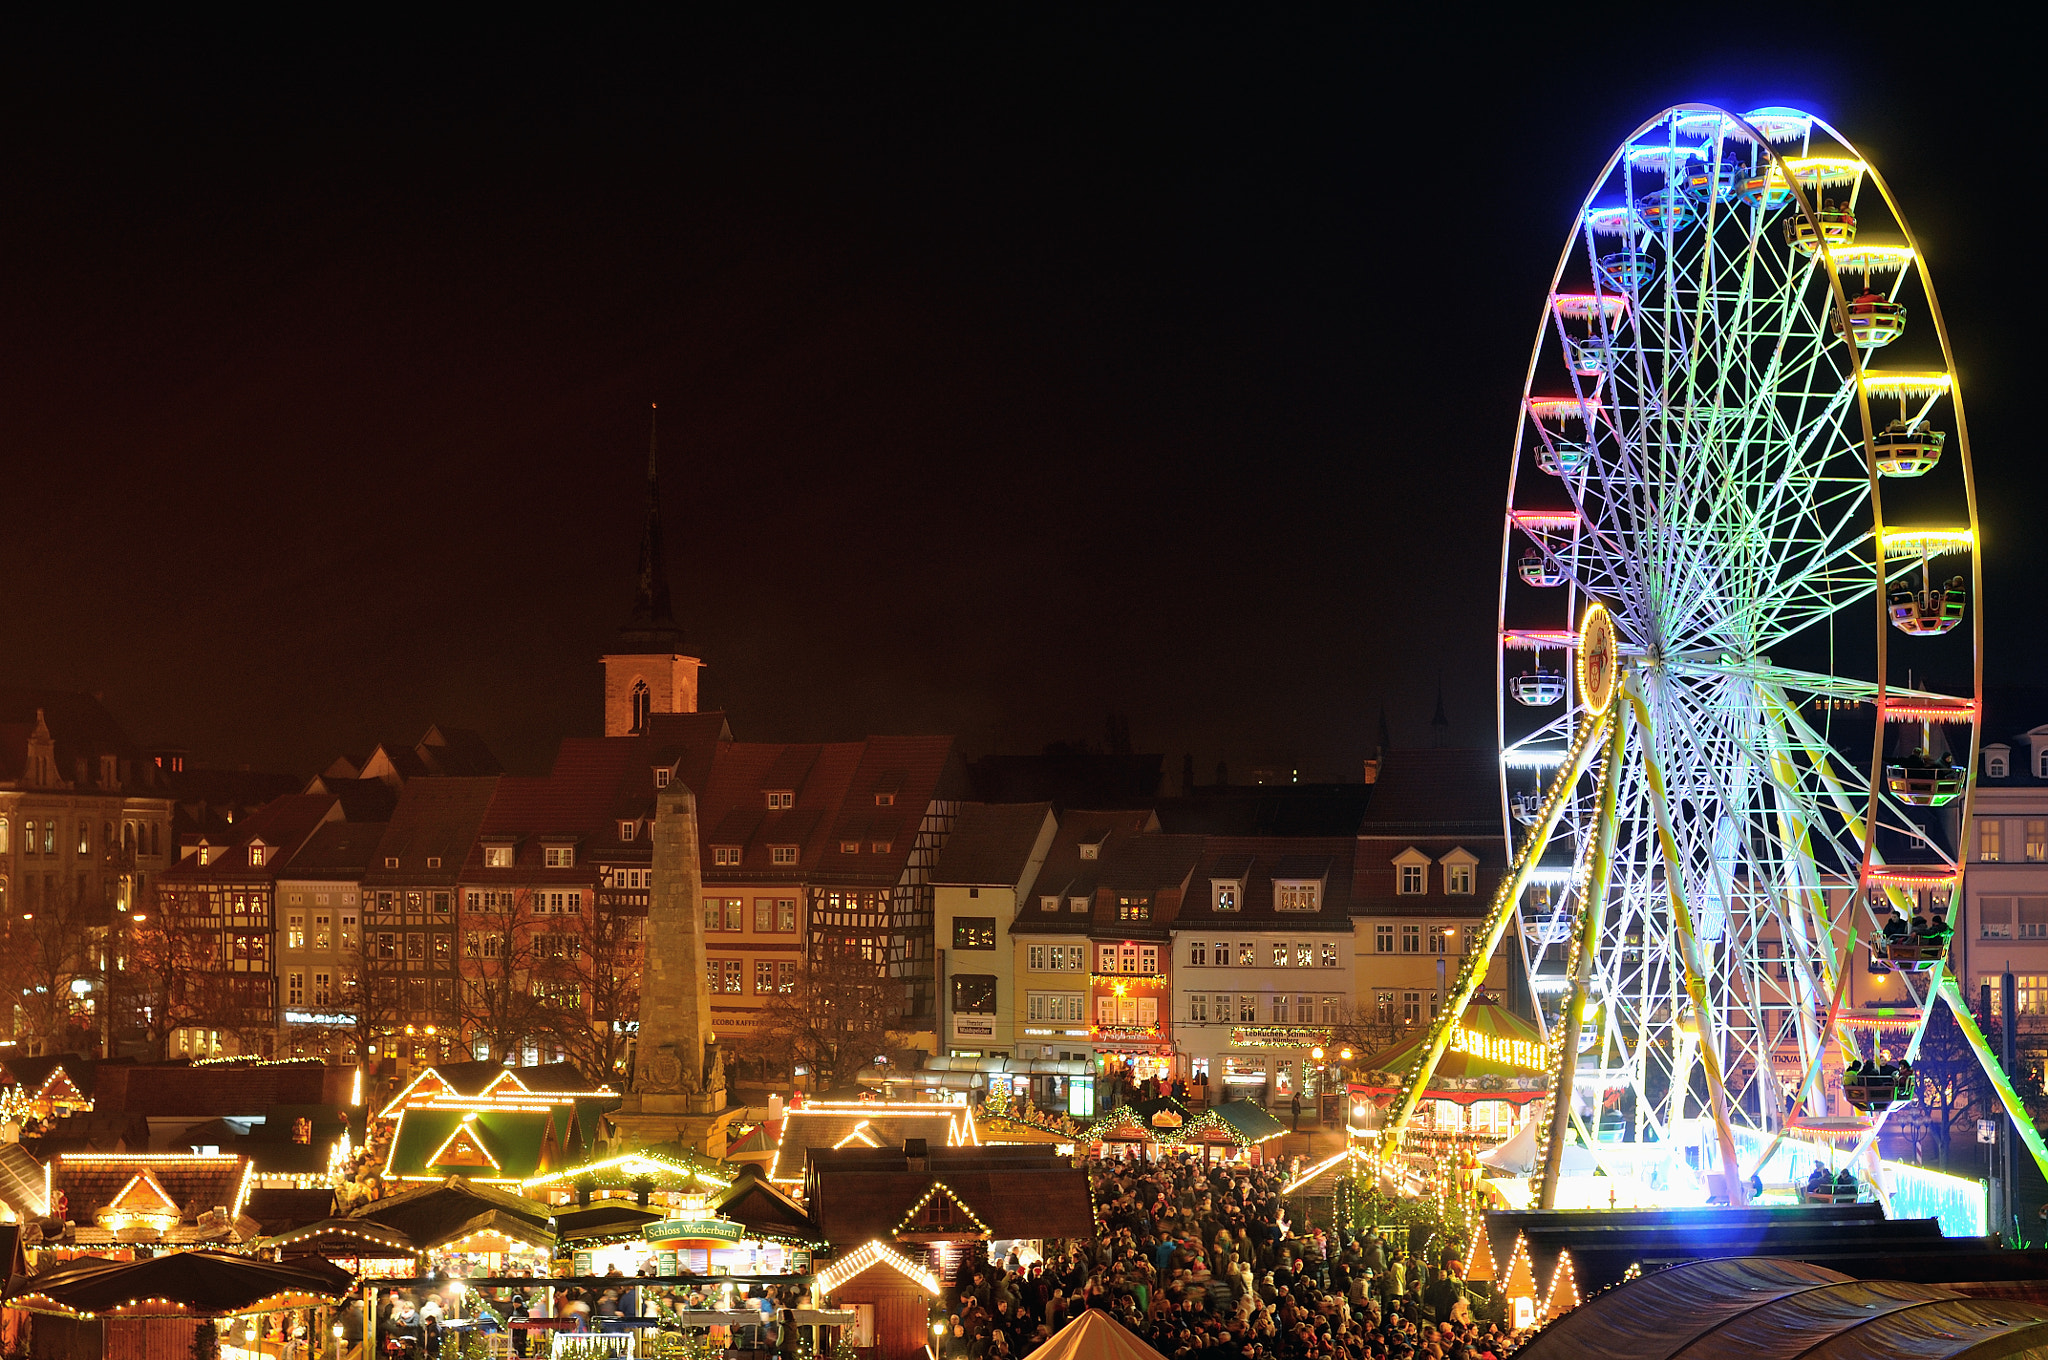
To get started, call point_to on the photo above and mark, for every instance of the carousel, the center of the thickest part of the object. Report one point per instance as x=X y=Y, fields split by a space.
x=1494 y=1065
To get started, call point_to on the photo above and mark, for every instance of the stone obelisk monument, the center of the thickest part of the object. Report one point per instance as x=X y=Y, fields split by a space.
x=678 y=1093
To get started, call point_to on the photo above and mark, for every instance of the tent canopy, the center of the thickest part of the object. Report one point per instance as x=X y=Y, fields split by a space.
x=180 y=1284
x=1094 y=1336
x=1743 y=1307
x=1494 y=1055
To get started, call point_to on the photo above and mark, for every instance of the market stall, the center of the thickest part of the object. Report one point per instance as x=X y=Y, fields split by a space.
x=1496 y=1063
x=137 y=1310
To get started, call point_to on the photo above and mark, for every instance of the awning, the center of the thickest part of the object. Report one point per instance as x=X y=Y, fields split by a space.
x=180 y=1284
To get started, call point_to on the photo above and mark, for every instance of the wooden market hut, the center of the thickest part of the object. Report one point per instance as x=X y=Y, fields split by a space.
x=139 y=1310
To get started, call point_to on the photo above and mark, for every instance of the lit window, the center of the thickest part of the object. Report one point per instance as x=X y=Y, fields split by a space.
x=495 y=857
x=1226 y=896
x=2037 y=840
x=1279 y=955
x=974 y=932
x=1458 y=880
x=559 y=856
x=1295 y=896
x=1134 y=908
x=256 y=849
x=295 y=989
x=1329 y=956
x=295 y=930
x=764 y=977
x=1247 y=954
x=1990 y=839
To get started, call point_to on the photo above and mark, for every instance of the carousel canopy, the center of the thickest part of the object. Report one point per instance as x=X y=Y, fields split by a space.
x=182 y=1284
x=1094 y=1336
x=1493 y=1054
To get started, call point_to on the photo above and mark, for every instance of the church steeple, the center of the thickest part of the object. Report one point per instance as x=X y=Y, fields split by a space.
x=646 y=672
x=652 y=624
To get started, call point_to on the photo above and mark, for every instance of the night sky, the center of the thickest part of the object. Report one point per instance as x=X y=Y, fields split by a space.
x=1013 y=370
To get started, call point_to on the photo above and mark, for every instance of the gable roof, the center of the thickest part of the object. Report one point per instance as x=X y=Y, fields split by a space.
x=504 y=1145
x=991 y=844
x=810 y=1127
x=435 y=819
x=91 y=1181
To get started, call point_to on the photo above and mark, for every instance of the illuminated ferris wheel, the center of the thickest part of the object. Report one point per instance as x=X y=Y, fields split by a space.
x=1740 y=662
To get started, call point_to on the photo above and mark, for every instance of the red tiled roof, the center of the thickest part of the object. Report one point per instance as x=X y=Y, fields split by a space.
x=435 y=819
x=283 y=825
x=1455 y=790
x=1256 y=861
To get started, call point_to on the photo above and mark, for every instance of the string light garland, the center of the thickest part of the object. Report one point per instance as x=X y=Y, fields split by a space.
x=872 y=1254
x=1563 y=1295
x=937 y=1188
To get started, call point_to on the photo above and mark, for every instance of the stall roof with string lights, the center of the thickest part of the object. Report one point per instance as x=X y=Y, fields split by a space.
x=1167 y=1122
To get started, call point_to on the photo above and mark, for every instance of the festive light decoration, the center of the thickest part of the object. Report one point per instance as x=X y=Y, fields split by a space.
x=623 y=1170
x=865 y=1257
x=1563 y=1294
x=1479 y=1266
x=939 y=1188
x=1930 y=542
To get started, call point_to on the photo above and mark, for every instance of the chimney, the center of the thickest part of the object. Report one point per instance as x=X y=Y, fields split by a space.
x=915 y=1154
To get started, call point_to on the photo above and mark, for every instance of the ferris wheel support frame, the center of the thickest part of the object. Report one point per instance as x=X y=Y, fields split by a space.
x=1689 y=949
x=1585 y=746
x=1592 y=906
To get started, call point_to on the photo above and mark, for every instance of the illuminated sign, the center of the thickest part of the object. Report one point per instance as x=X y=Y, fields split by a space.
x=318 y=1018
x=1166 y=1119
x=1521 y=1053
x=692 y=1230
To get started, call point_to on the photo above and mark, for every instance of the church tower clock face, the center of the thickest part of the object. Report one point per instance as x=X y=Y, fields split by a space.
x=1597 y=661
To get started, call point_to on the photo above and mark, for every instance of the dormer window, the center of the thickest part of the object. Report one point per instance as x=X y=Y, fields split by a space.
x=1297 y=896
x=849 y=847
x=1997 y=761
x=779 y=799
x=885 y=800
x=661 y=774
x=256 y=853
x=1411 y=872
x=782 y=854
x=879 y=847
x=495 y=857
x=559 y=856
x=433 y=861
x=1048 y=904
x=1226 y=893
x=206 y=853
x=1093 y=849
x=1460 y=870
x=1078 y=905
x=626 y=830
x=391 y=861
x=725 y=854
x=2041 y=762
x=1134 y=908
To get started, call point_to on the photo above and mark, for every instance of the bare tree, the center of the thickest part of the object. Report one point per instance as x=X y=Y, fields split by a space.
x=498 y=1000
x=835 y=1019
x=53 y=941
x=594 y=978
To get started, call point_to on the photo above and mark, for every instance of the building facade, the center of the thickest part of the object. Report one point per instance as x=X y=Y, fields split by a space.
x=984 y=875
x=1262 y=969
x=320 y=954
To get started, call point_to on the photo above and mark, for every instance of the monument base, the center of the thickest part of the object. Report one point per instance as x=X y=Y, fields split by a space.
x=641 y=1127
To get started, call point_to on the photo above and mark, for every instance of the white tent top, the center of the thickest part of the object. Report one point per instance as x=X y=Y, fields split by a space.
x=1093 y=1336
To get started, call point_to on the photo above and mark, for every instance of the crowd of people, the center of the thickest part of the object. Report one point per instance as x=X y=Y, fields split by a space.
x=1200 y=1260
